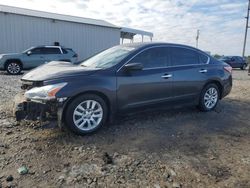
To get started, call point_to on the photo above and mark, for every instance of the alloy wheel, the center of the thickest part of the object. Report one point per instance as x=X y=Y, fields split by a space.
x=211 y=97
x=14 y=68
x=88 y=115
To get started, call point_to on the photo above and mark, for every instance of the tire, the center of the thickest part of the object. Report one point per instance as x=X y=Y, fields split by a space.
x=13 y=67
x=209 y=97
x=244 y=67
x=81 y=119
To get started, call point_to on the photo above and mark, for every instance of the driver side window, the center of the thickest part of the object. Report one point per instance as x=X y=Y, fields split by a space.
x=152 y=58
x=37 y=51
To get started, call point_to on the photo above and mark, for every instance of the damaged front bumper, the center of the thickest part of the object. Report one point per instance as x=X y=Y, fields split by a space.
x=25 y=109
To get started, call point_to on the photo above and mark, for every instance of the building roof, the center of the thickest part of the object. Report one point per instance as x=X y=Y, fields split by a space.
x=129 y=33
x=41 y=14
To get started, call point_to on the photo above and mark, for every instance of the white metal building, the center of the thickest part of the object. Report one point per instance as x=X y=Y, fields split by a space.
x=23 y=28
x=129 y=33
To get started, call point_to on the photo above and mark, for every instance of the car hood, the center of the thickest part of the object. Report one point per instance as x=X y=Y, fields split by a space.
x=12 y=55
x=55 y=70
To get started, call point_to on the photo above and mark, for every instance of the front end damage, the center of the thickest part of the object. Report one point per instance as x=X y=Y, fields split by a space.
x=37 y=109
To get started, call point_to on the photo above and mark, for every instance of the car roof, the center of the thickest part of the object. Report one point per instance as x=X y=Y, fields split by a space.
x=152 y=44
x=230 y=56
x=46 y=46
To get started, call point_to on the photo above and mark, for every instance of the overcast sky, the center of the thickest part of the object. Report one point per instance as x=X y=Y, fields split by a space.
x=221 y=22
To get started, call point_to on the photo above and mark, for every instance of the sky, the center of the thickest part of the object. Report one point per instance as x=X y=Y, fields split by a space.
x=221 y=22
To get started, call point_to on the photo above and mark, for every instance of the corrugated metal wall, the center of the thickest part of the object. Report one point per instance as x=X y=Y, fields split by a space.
x=19 y=32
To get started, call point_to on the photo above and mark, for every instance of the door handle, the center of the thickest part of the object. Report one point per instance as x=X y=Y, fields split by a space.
x=203 y=70
x=166 y=76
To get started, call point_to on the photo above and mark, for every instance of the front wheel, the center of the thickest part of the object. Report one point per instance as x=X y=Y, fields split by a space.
x=86 y=114
x=209 y=97
x=14 y=68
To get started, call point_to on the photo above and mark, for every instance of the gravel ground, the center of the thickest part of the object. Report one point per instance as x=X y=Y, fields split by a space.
x=171 y=148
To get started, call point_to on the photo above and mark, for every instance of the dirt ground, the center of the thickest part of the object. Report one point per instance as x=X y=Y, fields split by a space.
x=166 y=148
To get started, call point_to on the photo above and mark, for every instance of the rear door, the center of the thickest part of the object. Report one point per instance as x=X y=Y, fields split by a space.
x=52 y=54
x=150 y=85
x=190 y=72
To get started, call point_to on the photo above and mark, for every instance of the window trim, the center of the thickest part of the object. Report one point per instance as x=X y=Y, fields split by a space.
x=208 y=58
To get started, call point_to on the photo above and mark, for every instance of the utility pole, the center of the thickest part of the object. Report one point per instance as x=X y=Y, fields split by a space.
x=247 y=27
x=197 y=38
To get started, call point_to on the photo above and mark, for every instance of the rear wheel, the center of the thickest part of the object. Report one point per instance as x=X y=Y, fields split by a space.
x=209 y=97
x=86 y=114
x=244 y=67
x=13 y=67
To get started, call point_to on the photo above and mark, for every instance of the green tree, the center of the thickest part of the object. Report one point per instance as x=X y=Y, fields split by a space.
x=217 y=56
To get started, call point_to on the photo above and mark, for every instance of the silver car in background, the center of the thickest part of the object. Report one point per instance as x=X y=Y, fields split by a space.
x=33 y=57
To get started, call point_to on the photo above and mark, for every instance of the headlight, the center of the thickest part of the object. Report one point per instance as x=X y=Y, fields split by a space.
x=45 y=92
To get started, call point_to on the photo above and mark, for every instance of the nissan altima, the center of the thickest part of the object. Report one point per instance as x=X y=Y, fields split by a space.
x=86 y=96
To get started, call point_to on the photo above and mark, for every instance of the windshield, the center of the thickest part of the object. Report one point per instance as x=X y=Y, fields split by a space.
x=224 y=58
x=28 y=50
x=108 y=58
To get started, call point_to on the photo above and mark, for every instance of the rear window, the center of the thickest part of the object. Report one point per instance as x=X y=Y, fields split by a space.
x=64 y=51
x=203 y=58
x=184 y=56
x=68 y=50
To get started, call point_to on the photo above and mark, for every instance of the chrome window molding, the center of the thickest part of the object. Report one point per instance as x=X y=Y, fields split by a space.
x=166 y=46
x=61 y=50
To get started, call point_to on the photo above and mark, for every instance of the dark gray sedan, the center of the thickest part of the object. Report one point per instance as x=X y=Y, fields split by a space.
x=235 y=61
x=126 y=77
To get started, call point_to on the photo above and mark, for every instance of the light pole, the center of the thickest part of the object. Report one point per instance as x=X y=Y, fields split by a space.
x=247 y=27
x=197 y=38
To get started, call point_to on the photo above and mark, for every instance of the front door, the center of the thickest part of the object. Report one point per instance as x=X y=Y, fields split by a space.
x=35 y=58
x=151 y=85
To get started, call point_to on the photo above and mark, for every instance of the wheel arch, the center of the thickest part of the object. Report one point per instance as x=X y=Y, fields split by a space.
x=218 y=84
x=10 y=60
x=93 y=92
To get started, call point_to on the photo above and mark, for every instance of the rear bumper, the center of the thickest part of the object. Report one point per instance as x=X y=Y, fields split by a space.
x=227 y=87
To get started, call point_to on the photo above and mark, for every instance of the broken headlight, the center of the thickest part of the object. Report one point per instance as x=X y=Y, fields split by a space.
x=45 y=92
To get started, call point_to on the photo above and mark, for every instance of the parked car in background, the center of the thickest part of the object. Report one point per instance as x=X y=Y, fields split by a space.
x=123 y=78
x=235 y=61
x=33 y=57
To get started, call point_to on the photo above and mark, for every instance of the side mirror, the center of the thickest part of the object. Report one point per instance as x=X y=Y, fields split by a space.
x=29 y=53
x=133 y=66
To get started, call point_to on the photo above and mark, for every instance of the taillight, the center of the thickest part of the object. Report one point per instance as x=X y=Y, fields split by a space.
x=228 y=69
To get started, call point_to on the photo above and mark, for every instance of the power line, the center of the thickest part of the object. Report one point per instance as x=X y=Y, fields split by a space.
x=247 y=27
